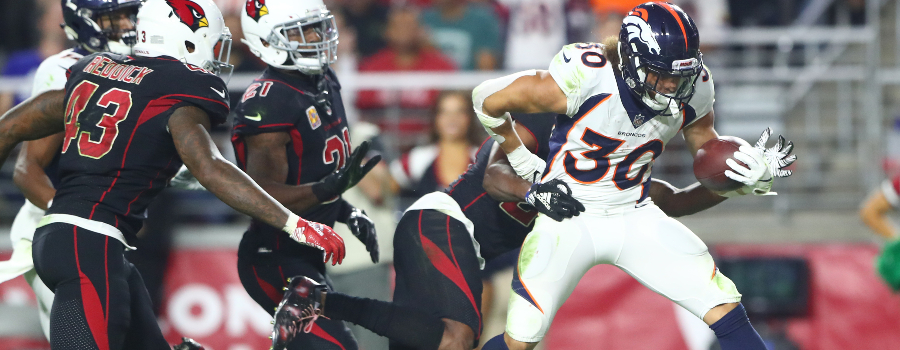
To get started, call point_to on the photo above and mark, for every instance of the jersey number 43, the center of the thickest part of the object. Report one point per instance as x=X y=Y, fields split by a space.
x=95 y=144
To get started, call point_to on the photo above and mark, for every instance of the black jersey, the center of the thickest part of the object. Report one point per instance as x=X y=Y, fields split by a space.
x=310 y=110
x=499 y=226
x=117 y=153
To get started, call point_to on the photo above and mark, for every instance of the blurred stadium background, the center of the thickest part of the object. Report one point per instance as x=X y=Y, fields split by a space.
x=824 y=73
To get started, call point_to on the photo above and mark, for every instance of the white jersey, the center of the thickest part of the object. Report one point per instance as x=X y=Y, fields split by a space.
x=605 y=148
x=50 y=75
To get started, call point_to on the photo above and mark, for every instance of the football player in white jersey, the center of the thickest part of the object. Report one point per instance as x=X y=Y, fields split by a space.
x=616 y=116
x=96 y=26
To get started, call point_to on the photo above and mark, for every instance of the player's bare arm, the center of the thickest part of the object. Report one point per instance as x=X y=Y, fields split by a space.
x=699 y=132
x=501 y=182
x=189 y=127
x=874 y=213
x=528 y=93
x=267 y=165
x=524 y=92
x=677 y=202
x=29 y=175
x=38 y=117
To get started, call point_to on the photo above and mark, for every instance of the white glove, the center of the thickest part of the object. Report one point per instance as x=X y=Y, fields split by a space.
x=184 y=180
x=762 y=165
x=526 y=164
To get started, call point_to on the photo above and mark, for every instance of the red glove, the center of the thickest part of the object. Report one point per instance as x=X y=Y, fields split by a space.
x=317 y=235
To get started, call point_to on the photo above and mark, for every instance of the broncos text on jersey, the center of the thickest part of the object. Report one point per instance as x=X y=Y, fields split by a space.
x=605 y=145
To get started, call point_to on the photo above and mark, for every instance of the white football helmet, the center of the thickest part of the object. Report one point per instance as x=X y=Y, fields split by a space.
x=192 y=31
x=268 y=23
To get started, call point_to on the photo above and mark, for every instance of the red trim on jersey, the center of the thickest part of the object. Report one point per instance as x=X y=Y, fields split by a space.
x=267 y=288
x=321 y=333
x=404 y=162
x=297 y=143
x=677 y=18
x=443 y=264
x=106 y=271
x=285 y=84
x=154 y=108
x=90 y=301
x=240 y=150
x=281 y=273
x=128 y=209
x=537 y=143
x=474 y=200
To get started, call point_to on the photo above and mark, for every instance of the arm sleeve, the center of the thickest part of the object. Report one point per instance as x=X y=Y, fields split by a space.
x=704 y=95
x=573 y=77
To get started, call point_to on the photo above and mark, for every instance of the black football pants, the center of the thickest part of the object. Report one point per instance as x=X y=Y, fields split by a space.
x=101 y=302
x=264 y=275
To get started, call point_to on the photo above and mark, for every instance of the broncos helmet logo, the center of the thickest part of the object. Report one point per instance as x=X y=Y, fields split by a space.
x=256 y=9
x=639 y=31
x=189 y=13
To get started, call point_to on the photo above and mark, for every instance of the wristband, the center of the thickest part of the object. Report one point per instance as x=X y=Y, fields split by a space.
x=322 y=194
x=291 y=226
x=520 y=159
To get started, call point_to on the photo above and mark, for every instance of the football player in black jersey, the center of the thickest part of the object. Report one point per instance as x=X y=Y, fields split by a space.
x=291 y=136
x=437 y=298
x=129 y=122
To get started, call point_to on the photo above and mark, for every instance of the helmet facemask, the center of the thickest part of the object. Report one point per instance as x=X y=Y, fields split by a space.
x=222 y=53
x=307 y=54
x=665 y=90
x=99 y=30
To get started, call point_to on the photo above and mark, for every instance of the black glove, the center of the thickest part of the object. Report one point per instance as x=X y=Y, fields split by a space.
x=554 y=199
x=364 y=229
x=333 y=185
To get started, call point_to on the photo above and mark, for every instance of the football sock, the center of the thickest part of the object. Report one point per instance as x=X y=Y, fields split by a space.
x=496 y=343
x=735 y=332
x=406 y=325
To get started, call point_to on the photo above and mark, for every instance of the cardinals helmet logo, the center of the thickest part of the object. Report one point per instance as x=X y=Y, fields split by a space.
x=190 y=13
x=257 y=9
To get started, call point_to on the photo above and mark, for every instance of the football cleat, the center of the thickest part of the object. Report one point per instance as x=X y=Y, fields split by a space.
x=297 y=311
x=188 y=344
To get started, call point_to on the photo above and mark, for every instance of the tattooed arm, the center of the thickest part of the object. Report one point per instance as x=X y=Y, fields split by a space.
x=189 y=127
x=39 y=116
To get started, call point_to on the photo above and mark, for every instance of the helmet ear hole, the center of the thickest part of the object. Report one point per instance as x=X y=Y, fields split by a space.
x=190 y=46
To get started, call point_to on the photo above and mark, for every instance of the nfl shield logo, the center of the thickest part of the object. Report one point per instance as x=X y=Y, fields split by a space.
x=313 y=116
x=638 y=120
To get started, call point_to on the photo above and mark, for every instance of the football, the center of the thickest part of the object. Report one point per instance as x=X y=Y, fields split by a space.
x=709 y=163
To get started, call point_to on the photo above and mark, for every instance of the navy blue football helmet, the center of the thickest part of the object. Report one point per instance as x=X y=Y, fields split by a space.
x=660 y=42
x=85 y=25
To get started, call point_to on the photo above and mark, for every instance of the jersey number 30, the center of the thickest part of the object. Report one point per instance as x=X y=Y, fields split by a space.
x=109 y=123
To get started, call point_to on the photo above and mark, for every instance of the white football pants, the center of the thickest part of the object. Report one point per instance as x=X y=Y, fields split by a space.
x=21 y=262
x=658 y=251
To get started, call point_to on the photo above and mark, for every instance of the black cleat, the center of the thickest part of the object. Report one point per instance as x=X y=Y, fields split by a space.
x=297 y=311
x=188 y=344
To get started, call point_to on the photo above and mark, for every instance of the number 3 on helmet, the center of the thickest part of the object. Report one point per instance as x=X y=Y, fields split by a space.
x=291 y=34
x=660 y=39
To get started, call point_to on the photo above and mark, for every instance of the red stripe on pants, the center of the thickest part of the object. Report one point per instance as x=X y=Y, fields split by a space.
x=93 y=310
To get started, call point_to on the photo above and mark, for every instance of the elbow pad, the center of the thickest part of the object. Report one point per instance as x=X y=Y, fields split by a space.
x=488 y=88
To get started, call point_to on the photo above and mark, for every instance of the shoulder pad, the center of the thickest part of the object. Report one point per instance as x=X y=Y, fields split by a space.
x=581 y=71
